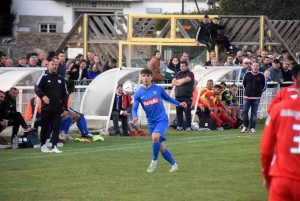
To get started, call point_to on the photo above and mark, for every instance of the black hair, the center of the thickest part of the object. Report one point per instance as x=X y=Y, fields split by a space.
x=112 y=60
x=120 y=85
x=156 y=51
x=223 y=83
x=13 y=88
x=90 y=51
x=289 y=57
x=233 y=85
x=61 y=52
x=170 y=62
x=210 y=80
x=295 y=70
x=284 y=51
x=250 y=51
x=185 y=63
x=146 y=71
x=218 y=86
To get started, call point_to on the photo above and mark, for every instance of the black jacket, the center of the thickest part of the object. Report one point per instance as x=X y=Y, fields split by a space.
x=214 y=29
x=202 y=32
x=75 y=75
x=286 y=76
x=9 y=107
x=254 y=84
x=119 y=104
x=53 y=86
x=106 y=67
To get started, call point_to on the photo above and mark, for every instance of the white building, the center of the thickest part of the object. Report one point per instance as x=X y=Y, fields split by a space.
x=60 y=15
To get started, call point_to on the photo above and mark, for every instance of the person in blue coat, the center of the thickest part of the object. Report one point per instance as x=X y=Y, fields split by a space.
x=96 y=70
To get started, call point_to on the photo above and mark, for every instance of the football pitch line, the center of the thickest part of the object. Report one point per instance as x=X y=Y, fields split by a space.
x=122 y=147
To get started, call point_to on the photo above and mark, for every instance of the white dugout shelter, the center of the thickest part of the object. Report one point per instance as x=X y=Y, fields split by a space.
x=98 y=99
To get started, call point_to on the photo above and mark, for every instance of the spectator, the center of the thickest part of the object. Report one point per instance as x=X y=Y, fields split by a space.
x=3 y=60
x=41 y=57
x=214 y=31
x=173 y=68
x=9 y=112
x=32 y=63
x=214 y=62
x=3 y=124
x=264 y=54
x=184 y=82
x=154 y=66
x=229 y=61
x=127 y=102
x=239 y=58
x=97 y=59
x=51 y=55
x=254 y=84
x=209 y=87
x=90 y=61
x=73 y=70
x=213 y=55
x=112 y=63
x=267 y=75
x=45 y=63
x=9 y=63
x=22 y=62
x=259 y=59
x=118 y=112
x=203 y=36
x=79 y=73
x=258 y=52
x=286 y=72
x=94 y=72
x=253 y=60
x=250 y=54
x=246 y=68
x=265 y=65
x=61 y=69
x=185 y=57
x=284 y=54
x=275 y=72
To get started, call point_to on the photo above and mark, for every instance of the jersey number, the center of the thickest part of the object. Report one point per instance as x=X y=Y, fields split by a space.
x=296 y=127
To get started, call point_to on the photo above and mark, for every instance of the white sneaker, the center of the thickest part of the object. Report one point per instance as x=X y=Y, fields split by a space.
x=68 y=137
x=15 y=142
x=152 y=166
x=55 y=150
x=244 y=130
x=45 y=149
x=174 y=168
x=252 y=130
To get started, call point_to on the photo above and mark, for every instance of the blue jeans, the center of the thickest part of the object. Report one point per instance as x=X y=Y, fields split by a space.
x=253 y=103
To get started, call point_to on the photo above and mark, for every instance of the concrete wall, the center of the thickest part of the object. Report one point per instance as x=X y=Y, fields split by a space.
x=33 y=22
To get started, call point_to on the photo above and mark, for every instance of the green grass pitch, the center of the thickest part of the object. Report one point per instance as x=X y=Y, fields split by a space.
x=216 y=165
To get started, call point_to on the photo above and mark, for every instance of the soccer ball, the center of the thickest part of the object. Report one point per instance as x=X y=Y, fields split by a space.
x=129 y=88
x=195 y=126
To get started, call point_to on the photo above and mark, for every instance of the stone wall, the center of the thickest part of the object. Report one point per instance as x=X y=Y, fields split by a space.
x=30 y=42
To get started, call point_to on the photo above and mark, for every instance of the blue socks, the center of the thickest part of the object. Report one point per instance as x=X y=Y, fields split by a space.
x=82 y=126
x=155 y=150
x=65 y=125
x=167 y=155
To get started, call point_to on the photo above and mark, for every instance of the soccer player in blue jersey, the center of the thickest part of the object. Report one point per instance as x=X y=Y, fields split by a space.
x=151 y=98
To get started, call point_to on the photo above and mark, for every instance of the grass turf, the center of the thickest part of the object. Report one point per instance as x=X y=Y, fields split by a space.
x=216 y=165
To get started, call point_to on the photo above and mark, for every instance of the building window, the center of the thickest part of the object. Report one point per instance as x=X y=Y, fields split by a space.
x=47 y=27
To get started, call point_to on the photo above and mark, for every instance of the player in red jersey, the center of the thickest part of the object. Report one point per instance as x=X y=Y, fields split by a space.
x=286 y=93
x=280 y=150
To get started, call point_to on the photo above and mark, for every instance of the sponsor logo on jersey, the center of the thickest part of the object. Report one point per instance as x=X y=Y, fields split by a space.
x=154 y=92
x=150 y=102
x=292 y=89
x=290 y=113
x=59 y=81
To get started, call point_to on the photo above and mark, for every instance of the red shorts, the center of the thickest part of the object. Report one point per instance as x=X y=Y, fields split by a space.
x=284 y=189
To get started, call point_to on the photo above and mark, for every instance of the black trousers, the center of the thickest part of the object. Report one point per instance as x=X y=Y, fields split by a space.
x=208 y=42
x=187 y=111
x=223 y=39
x=16 y=120
x=53 y=117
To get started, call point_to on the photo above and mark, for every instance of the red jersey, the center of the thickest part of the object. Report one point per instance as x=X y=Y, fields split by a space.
x=286 y=93
x=127 y=101
x=280 y=145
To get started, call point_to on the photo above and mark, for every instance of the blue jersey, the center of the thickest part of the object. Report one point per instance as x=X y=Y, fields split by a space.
x=152 y=102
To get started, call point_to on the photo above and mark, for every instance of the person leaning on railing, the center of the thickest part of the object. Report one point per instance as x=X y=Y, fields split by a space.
x=78 y=71
x=94 y=72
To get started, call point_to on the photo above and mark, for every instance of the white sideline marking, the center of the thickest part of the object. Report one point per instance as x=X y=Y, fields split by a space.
x=92 y=150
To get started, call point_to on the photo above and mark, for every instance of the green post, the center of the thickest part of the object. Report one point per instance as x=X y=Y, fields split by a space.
x=284 y=10
x=197 y=6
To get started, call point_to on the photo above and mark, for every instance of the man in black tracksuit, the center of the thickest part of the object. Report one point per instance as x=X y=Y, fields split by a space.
x=214 y=31
x=203 y=35
x=51 y=89
x=254 y=84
